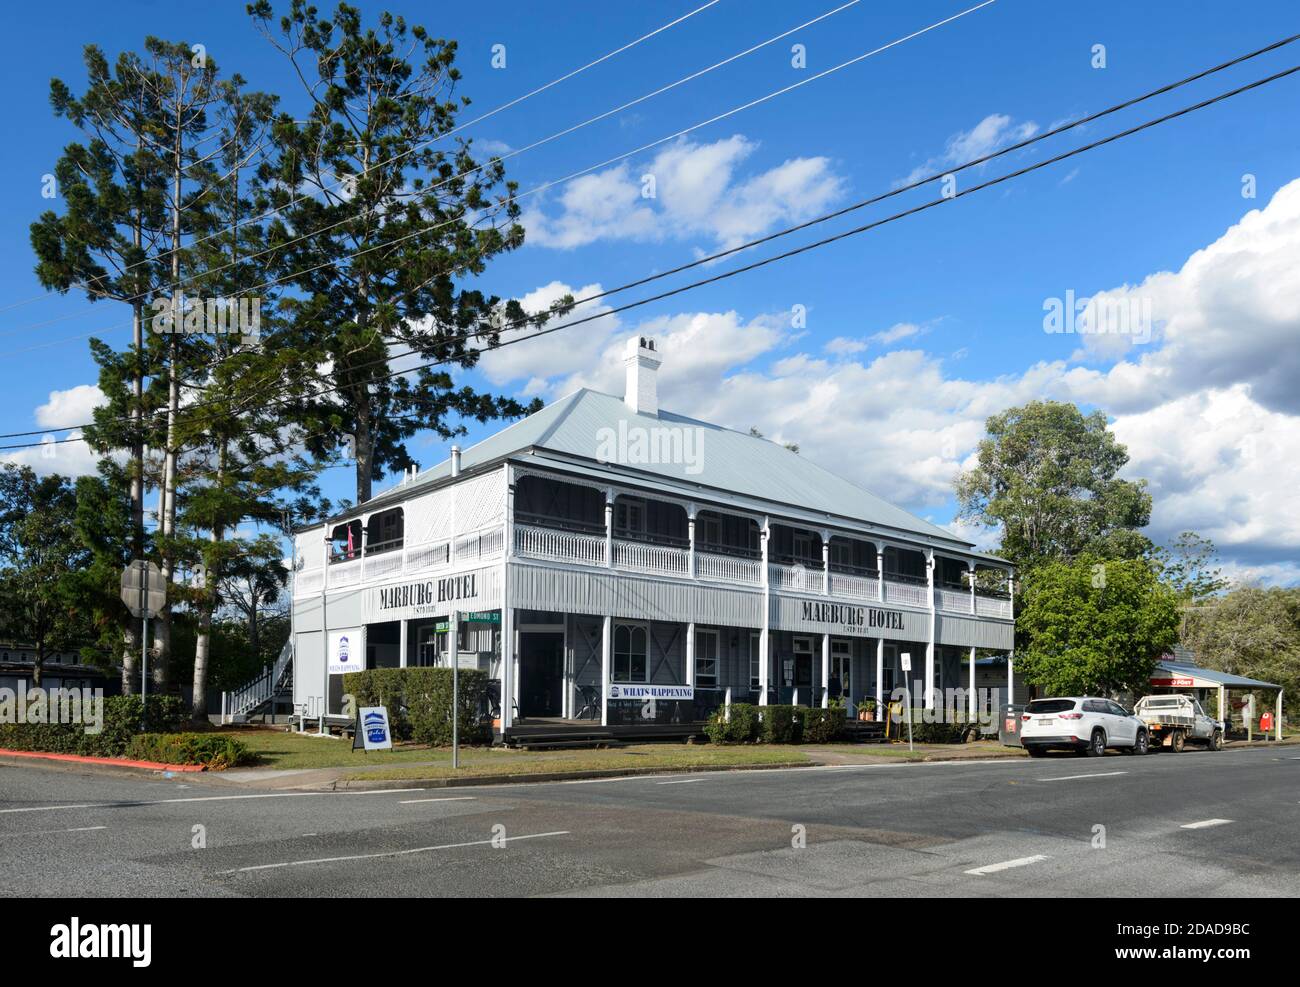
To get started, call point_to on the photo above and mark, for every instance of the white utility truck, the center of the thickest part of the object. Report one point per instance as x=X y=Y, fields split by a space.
x=1174 y=720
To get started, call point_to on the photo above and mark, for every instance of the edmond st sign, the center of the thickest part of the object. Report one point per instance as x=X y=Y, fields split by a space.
x=852 y=618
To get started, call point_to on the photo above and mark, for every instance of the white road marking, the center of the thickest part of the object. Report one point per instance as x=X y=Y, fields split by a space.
x=679 y=781
x=457 y=798
x=204 y=798
x=393 y=853
x=52 y=832
x=1092 y=774
x=1205 y=824
x=1006 y=865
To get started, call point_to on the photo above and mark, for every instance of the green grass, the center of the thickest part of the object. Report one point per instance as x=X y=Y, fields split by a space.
x=286 y=751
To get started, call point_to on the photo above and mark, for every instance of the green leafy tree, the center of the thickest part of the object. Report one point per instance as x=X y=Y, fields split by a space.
x=1250 y=631
x=403 y=216
x=1095 y=626
x=39 y=557
x=1047 y=476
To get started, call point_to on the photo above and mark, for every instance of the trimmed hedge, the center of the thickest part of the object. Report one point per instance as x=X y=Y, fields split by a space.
x=212 y=750
x=419 y=702
x=823 y=726
x=782 y=724
x=776 y=724
x=742 y=728
x=122 y=719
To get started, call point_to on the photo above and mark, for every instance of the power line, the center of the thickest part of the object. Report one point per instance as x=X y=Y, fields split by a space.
x=491 y=113
x=537 y=188
x=831 y=239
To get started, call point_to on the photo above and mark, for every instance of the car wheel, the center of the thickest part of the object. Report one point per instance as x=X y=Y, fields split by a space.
x=1216 y=741
x=1142 y=745
x=1097 y=745
x=1036 y=751
x=1177 y=741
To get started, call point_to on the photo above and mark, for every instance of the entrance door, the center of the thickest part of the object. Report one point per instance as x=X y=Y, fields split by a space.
x=541 y=673
x=803 y=671
x=841 y=668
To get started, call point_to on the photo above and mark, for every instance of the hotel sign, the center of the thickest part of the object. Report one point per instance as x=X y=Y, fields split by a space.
x=851 y=618
x=473 y=593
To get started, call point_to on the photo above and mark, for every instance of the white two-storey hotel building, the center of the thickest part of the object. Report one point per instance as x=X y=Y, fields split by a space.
x=604 y=551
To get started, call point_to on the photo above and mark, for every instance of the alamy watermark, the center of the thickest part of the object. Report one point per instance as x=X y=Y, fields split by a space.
x=639 y=445
x=241 y=316
x=79 y=707
x=951 y=705
x=1099 y=315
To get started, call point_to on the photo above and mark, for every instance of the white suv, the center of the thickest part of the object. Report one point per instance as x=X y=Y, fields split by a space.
x=1085 y=724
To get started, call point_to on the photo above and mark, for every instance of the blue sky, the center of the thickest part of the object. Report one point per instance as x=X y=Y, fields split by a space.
x=915 y=332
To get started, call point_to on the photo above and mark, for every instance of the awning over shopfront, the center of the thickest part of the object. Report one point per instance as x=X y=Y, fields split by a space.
x=1179 y=675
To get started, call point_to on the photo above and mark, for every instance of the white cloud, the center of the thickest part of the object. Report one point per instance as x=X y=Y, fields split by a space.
x=697 y=192
x=71 y=458
x=1208 y=408
x=995 y=131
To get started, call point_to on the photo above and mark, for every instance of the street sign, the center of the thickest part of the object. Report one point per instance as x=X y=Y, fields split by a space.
x=907 y=661
x=143 y=589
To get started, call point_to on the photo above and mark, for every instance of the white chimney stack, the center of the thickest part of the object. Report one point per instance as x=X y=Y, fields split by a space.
x=455 y=460
x=642 y=362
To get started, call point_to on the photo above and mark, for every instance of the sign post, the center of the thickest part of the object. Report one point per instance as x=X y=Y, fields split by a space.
x=907 y=667
x=453 y=646
x=145 y=595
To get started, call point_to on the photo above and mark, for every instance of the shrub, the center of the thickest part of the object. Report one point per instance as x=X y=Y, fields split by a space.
x=952 y=732
x=213 y=750
x=122 y=719
x=782 y=724
x=419 y=702
x=742 y=728
x=822 y=726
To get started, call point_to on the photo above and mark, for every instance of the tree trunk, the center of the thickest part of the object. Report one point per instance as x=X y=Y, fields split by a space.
x=130 y=652
x=365 y=445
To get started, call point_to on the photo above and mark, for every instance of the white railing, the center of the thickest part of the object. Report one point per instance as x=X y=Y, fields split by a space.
x=992 y=606
x=559 y=546
x=663 y=560
x=382 y=564
x=953 y=600
x=345 y=573
x=728 y=569
x=856 y=587
x=795 y=577
x=260 y=689
x=909 y=594
x=308 y=581
x=481 y=544
x=431 y=555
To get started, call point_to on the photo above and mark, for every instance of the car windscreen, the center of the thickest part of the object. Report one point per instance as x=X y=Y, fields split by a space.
x=1050 y=706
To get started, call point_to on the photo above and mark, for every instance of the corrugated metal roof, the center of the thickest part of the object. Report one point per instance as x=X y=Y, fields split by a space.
x=730 y=461
x=1223 y=678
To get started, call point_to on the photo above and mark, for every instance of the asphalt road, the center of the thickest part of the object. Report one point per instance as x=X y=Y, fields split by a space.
x=1191 y=825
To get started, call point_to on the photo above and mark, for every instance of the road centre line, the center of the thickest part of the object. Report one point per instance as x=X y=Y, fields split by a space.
x=1205 y=824
x=679 y=781
x=454 y=798
x=54 y=832
x=1092 y=774
x=200 y=798
x=1006 y=865
x=393 y=853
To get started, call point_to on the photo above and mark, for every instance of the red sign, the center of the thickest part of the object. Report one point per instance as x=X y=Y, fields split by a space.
x=1266 y=722
x=1182 y=683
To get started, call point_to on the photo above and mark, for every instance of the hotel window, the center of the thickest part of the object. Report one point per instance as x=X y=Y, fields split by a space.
x=803 y=547
x=706 y=659
x=629 y=516
x=755 y=653
x=631 y=655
